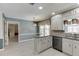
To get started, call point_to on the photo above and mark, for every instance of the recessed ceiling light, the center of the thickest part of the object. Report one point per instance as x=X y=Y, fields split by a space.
x=53 y=13
x=40 y=8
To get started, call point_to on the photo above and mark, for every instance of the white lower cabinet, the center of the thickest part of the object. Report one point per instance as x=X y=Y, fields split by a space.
x=67 y=46
x=70 y=47
x=49 y=41
x=44 y=43
x=76 y=48
x=39 y=44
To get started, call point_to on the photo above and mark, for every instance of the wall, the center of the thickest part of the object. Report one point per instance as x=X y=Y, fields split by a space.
x=44 y=22
x=27 y=28
x=1 y=31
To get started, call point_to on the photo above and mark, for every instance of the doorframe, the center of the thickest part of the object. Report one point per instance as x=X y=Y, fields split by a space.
x=13 y=22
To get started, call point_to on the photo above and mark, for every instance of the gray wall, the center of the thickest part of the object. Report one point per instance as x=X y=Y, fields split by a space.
x=26 y=27
x=1 y=43
x=1 y=30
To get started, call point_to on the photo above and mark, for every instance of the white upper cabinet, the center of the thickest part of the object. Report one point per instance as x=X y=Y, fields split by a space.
x=68 y=15
x=71 y=14
x=57 y=22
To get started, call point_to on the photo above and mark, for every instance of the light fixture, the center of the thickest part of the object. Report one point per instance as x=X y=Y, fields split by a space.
x=53 y=13
x=40 y=8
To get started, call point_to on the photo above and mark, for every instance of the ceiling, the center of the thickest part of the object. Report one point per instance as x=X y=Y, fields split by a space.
x=32 y=13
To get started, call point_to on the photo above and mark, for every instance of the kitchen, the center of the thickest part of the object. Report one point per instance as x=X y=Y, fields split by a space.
x=43 y=28
x=61 y=33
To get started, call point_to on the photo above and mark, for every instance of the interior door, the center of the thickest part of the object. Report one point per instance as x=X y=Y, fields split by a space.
x=6 y=33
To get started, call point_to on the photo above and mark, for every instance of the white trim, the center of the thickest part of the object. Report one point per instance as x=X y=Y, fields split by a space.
x=14 y=22
x=25 y=40
x=28 y=34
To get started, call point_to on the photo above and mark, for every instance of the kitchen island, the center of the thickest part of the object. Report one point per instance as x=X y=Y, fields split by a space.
x=42 y=43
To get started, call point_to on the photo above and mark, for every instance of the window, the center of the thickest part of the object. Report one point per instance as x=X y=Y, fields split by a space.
x=44 y=30
x=41 y=30
x=47 y=30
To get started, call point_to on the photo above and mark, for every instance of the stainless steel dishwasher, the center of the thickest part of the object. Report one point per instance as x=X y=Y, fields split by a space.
x=57 y=43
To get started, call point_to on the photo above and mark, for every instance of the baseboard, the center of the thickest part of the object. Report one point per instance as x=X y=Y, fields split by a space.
x=2 y=49
x=25 y=40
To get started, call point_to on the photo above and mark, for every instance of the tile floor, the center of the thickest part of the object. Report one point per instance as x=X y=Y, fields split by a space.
x=27 y=49
x=52 y=52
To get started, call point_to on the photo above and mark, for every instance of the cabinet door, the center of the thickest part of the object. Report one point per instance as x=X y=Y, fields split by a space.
x=57 y=22
x=76 y=48
x=39 y=44
x=67 y=46
x=46 y=42
x=49 y=41
x=60 y=22
x=53 y=24
x=44 y=46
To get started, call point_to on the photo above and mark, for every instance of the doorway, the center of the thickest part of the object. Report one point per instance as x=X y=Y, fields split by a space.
x=13 y=33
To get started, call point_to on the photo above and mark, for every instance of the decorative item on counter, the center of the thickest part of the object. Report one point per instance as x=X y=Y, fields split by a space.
x=65 y=22
x=74 y=21
x=69 y=21
x=65 y=28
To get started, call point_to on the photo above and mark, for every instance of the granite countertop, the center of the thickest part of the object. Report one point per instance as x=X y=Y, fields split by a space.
x=64 y=35
x=42 y=36
x=73 y=36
